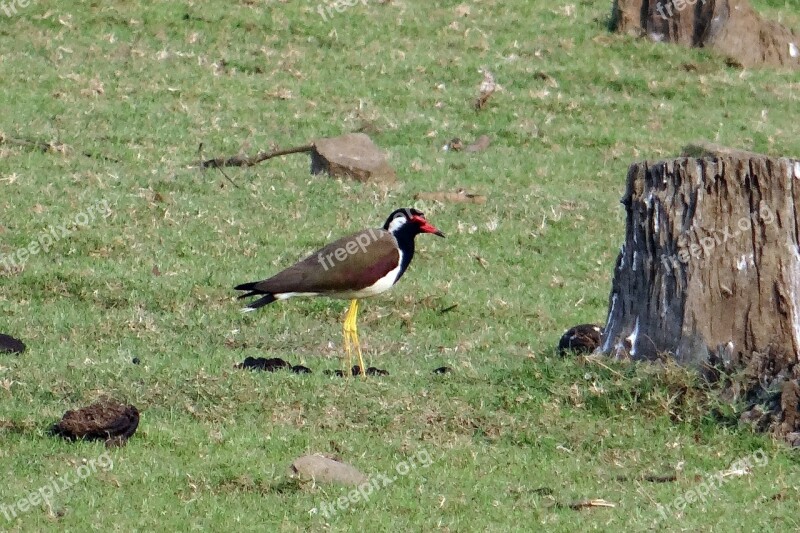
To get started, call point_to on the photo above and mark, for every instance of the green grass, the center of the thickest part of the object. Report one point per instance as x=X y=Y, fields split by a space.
x=515 y=433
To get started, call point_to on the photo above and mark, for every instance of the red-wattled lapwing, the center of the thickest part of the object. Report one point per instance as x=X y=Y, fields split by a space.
x=357 y=266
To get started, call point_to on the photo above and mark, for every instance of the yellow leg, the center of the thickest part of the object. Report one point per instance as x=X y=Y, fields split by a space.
x=351 y=337
x=358 y=345
x=347 y=361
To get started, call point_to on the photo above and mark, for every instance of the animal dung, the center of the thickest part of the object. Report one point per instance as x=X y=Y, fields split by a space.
x=9 y=344
x=583 y=338
x=371 y=371
x=271 y=365
x=107 y=420
x=356 y=371
x=261 y=363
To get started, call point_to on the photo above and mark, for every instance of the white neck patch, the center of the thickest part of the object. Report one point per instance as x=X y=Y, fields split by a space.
x=397 y=223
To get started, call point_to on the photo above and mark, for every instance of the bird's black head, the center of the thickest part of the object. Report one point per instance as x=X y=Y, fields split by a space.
x=410 y=220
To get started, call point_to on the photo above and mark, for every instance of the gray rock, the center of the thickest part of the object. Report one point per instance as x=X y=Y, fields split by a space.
x=321 y=469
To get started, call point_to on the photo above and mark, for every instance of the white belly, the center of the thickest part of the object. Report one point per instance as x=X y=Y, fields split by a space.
x=382 y=285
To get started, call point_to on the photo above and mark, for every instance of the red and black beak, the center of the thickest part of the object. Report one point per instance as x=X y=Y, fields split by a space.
x=425 y=226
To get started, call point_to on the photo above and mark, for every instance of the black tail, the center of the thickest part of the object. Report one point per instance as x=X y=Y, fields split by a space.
x=261 y=302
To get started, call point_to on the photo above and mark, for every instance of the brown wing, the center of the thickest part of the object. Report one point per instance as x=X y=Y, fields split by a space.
x=350 y=263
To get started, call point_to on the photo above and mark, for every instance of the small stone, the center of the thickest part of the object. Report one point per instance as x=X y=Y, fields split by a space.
x=321 y=469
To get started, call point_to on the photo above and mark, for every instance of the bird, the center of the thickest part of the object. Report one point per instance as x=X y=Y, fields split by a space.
x=357 y=266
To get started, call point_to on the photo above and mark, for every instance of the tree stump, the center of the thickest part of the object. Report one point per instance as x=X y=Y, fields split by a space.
x=710 y=267
x=730 y=27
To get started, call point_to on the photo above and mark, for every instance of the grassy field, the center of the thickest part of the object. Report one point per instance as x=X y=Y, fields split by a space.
x=146 y=250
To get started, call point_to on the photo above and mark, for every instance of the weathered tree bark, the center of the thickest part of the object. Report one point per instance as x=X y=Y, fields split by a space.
x=730 y=27
x=710 y=274
x=710 y=267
